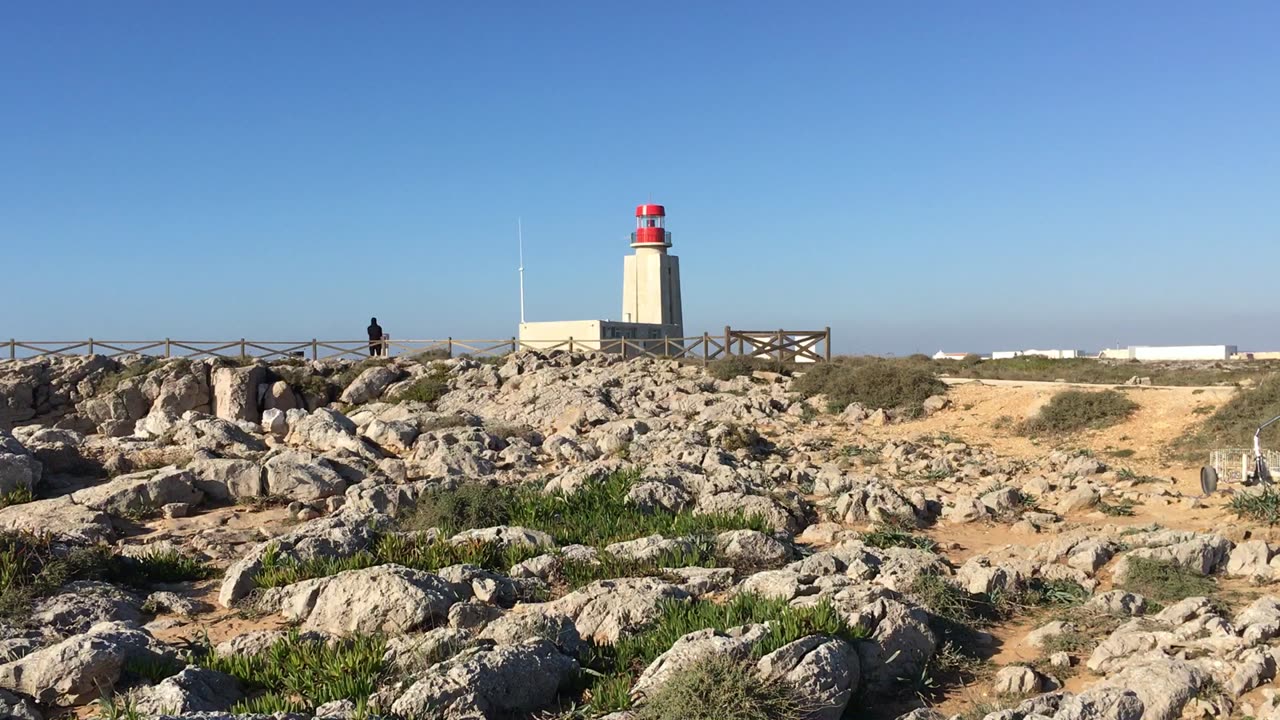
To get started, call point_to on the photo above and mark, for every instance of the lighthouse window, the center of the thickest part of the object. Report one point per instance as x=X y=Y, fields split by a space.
x=653 y=223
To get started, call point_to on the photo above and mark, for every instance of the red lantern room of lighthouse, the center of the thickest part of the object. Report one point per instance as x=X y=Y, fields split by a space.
x=651 y=230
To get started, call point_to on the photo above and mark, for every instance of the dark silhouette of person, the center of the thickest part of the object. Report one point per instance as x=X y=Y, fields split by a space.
x=375 y=338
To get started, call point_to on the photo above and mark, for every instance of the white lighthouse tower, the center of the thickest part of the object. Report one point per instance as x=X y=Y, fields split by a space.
x=651 y=277
x=651 y=312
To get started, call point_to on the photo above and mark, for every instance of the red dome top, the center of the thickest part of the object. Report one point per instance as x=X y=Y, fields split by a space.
x=650 y=210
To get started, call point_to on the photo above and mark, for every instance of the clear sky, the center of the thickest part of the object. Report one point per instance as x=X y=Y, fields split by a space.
x=917 y=175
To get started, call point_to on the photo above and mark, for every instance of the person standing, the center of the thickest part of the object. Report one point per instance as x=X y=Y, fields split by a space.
x=375 y=338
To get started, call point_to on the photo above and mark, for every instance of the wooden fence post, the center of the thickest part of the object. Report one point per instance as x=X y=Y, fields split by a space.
x=315 y=350
x=513 y=344
x=728 y=341
x=827 y=343
x=623 y=340
x=571 y=344
x=13 y=349
x=706 y=348
x=168 y=348
x=90 y=346
x=449 y=347
x=666 y=346
x=242 y=352
x=780 y=331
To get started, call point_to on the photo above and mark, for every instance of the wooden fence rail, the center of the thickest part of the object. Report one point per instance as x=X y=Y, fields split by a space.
x=785 y=345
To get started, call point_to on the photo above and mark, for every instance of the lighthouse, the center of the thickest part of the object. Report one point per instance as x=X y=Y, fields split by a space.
x=651 y=276
x=652 y=315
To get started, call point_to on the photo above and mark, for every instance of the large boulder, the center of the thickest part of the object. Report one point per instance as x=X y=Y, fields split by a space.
x=83 y=604
x=235 y=392
x=61 y=517
x=141 y=492
x=694 y=648
x=607 y=609
x=826 y=671
x=195 y=689
x=488 y=683
x=19 y=470
x=79 y=668
x=227 y=479
x=386 y=599
x=370 y=384
x=337 y=536
x=299 y=475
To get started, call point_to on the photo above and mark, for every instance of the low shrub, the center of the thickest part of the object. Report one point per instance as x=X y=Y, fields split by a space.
x=949 y=601
x=1164 y=581
x=739 y=366
x=298 y=675
x=740 y=437
x=875 y=384
x=1074 y=410
x=427 y=389
x=1261 y=505
x=597 y=514
x=616 y=665
x=35 y=566
x=442 y=422
x=882 y=537
x=157 y=567
x=17 y=496
x=1234 y=422
x=410 y=551
x=113 y=380
x=722 y=688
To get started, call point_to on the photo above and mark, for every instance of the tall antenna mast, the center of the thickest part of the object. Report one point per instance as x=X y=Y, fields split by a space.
x=520 y=235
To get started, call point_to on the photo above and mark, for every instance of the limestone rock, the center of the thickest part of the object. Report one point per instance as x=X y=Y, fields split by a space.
x=387 y=599
x=235 y=392
x=606 y=609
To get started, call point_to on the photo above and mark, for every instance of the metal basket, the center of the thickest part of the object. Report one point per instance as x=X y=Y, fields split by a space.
x=1233 y=464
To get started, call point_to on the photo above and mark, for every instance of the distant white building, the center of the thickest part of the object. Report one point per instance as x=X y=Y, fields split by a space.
x=1053 y=354
x=1151 y=353
x=949 y=356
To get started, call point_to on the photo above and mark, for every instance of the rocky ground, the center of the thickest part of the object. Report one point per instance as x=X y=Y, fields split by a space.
x=569 y=536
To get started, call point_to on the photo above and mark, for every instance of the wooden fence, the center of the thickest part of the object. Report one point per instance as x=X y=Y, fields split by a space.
x=803 y=346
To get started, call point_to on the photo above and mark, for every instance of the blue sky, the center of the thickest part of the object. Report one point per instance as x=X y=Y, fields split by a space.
x=967 y=176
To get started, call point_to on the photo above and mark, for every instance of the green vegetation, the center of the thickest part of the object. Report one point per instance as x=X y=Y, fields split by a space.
x=597 y=514
x=739 y=366
x=427 y=389
x=113 y=380
x=409 y=550
x=884 y=537
x=1164 y=581
x=1261 y=505
x=1121 y=508
x=740 y=437
x=721 y=688
x=158 y=566
x=873 y=382
x=1110 y=372
x=298 y=675
x=1074 y=410
x=1234 y=422
x=17 y=496
x=618 y=664
x=35 y=566
x=302 y=379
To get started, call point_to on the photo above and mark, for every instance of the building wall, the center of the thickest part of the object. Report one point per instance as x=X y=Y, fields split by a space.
x=544 y=335
x=651 y=288
x=1183 y=352
x=588 y=334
